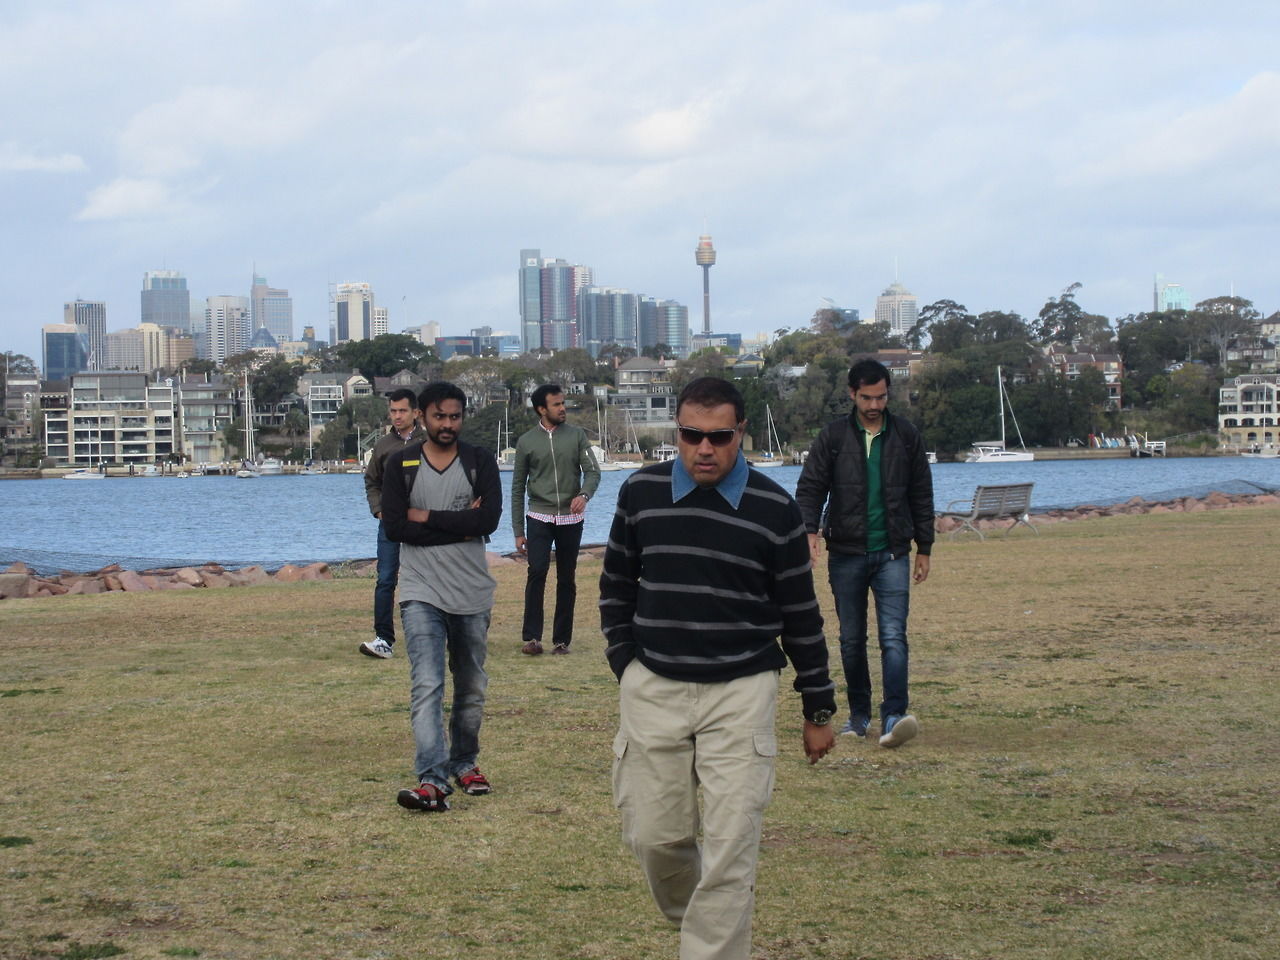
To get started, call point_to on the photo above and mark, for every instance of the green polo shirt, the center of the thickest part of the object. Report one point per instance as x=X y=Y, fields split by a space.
x=877 y=531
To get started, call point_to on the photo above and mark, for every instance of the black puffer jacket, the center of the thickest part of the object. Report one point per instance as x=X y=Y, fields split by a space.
x=837 y=468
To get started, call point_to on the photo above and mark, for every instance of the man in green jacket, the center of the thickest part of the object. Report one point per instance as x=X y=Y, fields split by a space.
x=556 y=467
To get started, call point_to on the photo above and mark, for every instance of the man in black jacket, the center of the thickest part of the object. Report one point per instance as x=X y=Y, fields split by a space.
x=873 y=468
x=440 y=500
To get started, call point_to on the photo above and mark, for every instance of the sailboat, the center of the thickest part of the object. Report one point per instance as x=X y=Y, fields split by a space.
x=635 y=444
x=309 y=469
x=601 y=450
x=248 y=469
x=994 y=451
x=506 y=453
x=773 y=456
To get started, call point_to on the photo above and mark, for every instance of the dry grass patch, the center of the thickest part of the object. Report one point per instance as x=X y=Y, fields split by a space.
x=212 y=773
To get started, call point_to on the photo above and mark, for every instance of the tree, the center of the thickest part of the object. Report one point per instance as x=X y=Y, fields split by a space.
x=574 y=365
x=949 y=325
x=612 y=352
x=383 y=356
x=659 y=351
x=1219 y=320
x=704 y=363
x=275 y=379
x=995 y=326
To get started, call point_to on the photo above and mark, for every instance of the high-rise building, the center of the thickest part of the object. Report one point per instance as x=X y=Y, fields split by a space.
x=381 y=321
x=608 y=315
x=672 y=326
x=271 y=308
x=166 y=302
x=897 y=306
x=352 y=313
x=553 y=298
x=1169 y=296
x=530 y=298
x=226 y=327
x=425 y=333
x=63 y=351
x=90 y=317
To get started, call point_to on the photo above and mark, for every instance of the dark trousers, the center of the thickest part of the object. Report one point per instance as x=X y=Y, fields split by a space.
x=384 y=594
x=567 y=538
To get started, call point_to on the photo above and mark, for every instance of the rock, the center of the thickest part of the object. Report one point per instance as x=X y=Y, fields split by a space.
x=111 y=581
x=86 y=585
x=173 y=585
x=53 y=586
x=110 y=568
x=1217 y=498
x=289 y=573
x=317 y=571
x=253 y=576
x=18 y=567
x=214 y=580
x=1195 y=506
x=132 y=582
x=188 y=576
x=14 y=585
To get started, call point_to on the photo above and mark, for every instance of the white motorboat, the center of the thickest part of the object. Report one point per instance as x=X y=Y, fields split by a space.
x=995 y=451
x=1267 y=451
x=271 y=467
x=83 y=473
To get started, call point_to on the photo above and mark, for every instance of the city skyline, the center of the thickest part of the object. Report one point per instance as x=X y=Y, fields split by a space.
x=998 y=153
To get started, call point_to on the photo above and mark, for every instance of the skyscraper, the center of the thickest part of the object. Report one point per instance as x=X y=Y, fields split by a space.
x=672 y=326
x=352 y=312
x=897 y=307
x=272 y=308
x=90 y=318
x=226 y=327
x=607 y=315
x=553 y=299
x=531 y=298
x=62 y=351
x=166 y=302
x=1169 y=296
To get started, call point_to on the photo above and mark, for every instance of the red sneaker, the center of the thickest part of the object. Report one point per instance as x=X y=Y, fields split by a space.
x=473 y=782
x=427 y=797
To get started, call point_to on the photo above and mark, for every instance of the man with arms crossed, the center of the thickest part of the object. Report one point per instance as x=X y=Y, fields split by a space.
x=874 y=468
x=441 y=499
x=402 y=408
x=707 y=564
x=555 y=464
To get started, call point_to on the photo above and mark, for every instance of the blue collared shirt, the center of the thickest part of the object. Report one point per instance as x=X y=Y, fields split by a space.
x=731 y=487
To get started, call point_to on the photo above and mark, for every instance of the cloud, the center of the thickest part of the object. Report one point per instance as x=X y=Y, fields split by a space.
x=14 y=159
x=128 y=199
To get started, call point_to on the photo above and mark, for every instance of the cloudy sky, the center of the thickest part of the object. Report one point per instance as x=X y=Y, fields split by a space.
x=991 y=152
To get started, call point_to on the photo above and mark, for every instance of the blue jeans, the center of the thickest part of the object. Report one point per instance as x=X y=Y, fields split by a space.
x=567 y=539
x=430 y=633
x=384 y=594
x=851 y=576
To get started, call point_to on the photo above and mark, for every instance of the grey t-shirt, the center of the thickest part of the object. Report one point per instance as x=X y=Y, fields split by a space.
x=453 y=577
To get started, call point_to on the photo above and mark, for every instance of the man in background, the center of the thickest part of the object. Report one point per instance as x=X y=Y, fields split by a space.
x=441 y=500
x=874 y=469
x=555 y=466
x=402 y=409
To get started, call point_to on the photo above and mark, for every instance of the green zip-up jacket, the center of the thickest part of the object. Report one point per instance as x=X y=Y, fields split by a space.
x=552 y=468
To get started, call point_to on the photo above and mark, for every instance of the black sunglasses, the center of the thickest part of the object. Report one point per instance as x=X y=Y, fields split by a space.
x=718 y=438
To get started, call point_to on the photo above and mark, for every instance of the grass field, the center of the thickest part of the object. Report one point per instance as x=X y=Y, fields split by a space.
x=213 y=774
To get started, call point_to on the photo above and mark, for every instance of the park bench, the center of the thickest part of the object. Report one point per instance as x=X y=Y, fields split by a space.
x=994 y=502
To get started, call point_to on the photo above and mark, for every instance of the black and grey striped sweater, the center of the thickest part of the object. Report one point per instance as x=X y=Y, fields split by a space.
x=700 y=592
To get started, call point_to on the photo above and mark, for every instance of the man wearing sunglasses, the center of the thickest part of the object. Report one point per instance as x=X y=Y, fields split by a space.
x=873 y=468
x=707 y=566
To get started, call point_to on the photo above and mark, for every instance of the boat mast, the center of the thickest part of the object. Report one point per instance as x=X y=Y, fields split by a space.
x=1000 y=393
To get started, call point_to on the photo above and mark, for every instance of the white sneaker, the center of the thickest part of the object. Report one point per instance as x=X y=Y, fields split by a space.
x=898 y=730
x=377 y=648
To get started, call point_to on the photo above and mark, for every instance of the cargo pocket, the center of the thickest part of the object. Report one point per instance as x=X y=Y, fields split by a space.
x=621 y=795
x=766 y=749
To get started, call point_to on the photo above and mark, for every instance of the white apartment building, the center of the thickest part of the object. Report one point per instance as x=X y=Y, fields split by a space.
x=110 y=417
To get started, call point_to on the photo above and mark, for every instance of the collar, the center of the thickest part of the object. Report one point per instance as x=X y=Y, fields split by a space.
x=544 y=427
x=884 y=429
x=731 y=487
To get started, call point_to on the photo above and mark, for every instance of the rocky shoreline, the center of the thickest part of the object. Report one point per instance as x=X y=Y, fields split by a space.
x=20 y=581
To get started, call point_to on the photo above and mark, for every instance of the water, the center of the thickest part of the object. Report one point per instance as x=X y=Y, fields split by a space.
x=139 y=523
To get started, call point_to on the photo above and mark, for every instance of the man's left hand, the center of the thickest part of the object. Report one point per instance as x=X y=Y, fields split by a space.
x=922 y=568
x=818 y=740
x=578 y=504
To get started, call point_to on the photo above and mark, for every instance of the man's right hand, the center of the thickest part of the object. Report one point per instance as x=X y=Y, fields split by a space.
x=520 y=542
x=815 y=548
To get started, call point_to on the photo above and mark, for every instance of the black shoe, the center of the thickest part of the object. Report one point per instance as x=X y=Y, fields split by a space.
x=427 y=797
